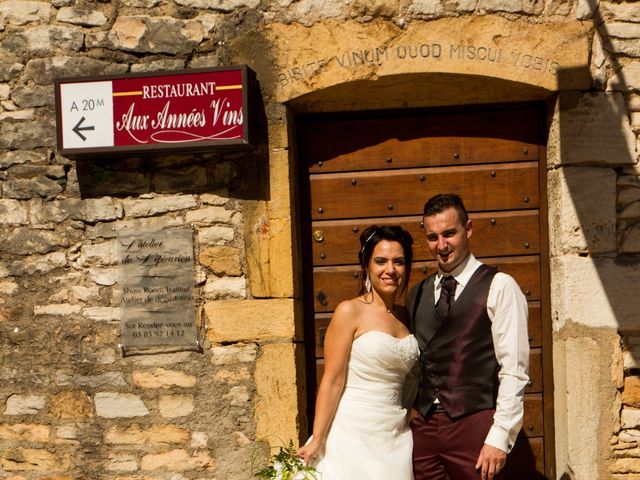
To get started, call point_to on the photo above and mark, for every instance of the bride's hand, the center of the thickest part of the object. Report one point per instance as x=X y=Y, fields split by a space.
x=310 y=452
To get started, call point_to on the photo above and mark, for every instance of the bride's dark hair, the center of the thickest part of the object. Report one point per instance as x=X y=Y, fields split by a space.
x=370 y=238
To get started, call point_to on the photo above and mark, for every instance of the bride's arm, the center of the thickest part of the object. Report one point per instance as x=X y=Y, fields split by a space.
x=337 y=345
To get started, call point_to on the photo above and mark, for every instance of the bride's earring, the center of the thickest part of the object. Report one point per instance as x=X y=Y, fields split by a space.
x=367 y=284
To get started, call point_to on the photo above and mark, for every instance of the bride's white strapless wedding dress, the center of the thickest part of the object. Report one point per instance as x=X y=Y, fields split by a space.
x=370 y=438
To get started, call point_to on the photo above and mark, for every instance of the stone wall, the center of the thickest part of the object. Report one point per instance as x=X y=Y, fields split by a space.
x=73 y=407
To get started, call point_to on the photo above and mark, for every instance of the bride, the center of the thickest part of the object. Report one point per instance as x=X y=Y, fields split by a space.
x=361 y=426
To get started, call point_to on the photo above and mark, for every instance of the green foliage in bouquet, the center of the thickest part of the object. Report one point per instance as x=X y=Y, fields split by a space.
x=286 y=465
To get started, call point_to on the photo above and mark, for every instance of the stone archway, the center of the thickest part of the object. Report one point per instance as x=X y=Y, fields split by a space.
x=334 y=66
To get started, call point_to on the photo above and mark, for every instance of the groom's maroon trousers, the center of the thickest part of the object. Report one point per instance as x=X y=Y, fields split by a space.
x=446 y=449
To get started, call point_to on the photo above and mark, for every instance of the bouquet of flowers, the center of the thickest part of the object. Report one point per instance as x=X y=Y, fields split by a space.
x=287 y=465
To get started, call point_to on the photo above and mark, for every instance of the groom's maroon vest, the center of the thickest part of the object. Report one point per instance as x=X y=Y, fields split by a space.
x=457 y=361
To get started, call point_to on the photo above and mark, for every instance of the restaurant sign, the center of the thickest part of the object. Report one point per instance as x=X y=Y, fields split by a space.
x=185 y=110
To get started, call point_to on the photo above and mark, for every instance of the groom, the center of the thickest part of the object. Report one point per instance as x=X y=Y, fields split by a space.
x=471 y=324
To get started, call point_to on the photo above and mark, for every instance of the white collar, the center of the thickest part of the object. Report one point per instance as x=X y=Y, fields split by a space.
x=462 y=273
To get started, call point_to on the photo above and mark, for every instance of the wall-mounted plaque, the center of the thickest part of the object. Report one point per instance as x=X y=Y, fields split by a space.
x=156 y=274
x=184 y=110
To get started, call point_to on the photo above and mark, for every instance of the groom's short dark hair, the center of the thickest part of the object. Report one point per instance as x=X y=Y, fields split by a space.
x=443 y=201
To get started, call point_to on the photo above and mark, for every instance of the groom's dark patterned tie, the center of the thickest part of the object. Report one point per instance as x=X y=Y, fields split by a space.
x=447 y=295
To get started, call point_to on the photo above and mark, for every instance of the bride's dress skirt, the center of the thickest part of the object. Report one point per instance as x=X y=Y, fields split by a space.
x=370 y=438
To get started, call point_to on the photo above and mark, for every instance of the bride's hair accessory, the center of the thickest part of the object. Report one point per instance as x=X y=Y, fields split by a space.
x=364 y=244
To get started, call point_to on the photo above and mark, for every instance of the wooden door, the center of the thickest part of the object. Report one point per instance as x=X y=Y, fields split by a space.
x=380 y=168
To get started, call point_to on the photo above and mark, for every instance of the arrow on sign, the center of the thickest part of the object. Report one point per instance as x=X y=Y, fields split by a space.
x=78 y=129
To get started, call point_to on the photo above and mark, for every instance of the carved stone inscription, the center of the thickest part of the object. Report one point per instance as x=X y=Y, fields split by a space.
x=432 y=51
x=156 y=271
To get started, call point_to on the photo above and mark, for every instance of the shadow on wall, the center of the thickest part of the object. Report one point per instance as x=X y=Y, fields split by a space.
x=242 y=174
x=595 y=144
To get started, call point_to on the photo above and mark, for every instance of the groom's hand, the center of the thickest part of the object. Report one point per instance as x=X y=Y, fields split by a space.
x=490 y=461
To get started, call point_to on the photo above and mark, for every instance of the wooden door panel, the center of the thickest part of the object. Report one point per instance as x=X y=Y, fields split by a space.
x=533 y=424
x=512 y=186
x=335 y=284
x=526 y=460
x=371 y=144
x=535 y=371
x=494 y=233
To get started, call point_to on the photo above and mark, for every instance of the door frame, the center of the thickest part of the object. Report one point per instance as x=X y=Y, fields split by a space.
x=304 y=230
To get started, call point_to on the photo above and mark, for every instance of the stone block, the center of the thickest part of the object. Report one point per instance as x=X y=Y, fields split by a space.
x=149 y=207
x=8 y=288
x=27 y=241
x=534 y=7
x=119 y=405
x=44 y=40
x=80 y=16
x=121 y=462
x=174 y=406
x=100 y=254
x=222 y=260
x=199 y=439
x=231 y=377
x=68 y=405
x=583 y=381
x=631 y=392
x=60 y=309
x=154 y=434
x=277 y=404
x=281 y=254
x=209 y=215
x=19 y=12
x=582 y=209
x=104 y=276
x=34 y=460
x=216 y=235
x=586 y=9
x=238 y=396
x=594 y=129
x=261 y=320
x=163 y=359
x=109 y=230
x=631 y=240
x=621 y=30
x=225 y=288
x=16 y=115
x=102 y=314
x=595 y=292
x=280 y=185
x=177 y=460
x=43 y=70
x=13 y=212
x=38 y=264
x=20 y=157
x=156 y=65
x=625 y=12
x=68 y=434
x=24 y=189
x=221 y=5
x=24 y=404
x=630 y=418
x=22 y=432
x=624 y=46
x=144 y=34
x=162 y=378
x=233 y=354
x=107 y=379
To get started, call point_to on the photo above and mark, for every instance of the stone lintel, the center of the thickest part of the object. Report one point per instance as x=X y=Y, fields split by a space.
x=551 y=56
